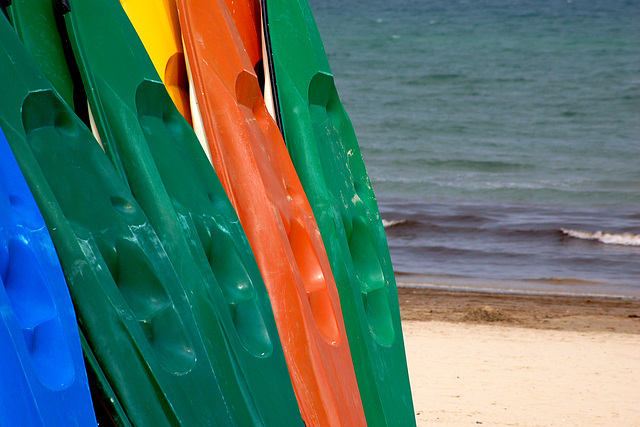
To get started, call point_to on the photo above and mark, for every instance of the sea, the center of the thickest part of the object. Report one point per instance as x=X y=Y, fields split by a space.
x=502 y=138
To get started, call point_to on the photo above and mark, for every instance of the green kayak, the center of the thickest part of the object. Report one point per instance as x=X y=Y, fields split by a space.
x=142 y=343
x=325 y=152
x=176 y=186
x=32 y=30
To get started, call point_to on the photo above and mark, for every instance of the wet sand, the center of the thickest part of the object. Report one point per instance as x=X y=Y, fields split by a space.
x=528 y=311
x=514 y=360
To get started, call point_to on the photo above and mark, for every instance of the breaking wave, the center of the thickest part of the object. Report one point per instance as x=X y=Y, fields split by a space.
x=625 y=239
x=392 y=222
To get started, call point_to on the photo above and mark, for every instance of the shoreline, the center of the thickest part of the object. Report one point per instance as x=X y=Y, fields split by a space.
x=535 y=311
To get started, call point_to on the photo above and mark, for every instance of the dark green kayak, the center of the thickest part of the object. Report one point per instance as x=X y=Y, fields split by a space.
x=325 y=152
x=31 y=30
x=172 y=179
x=132 y=309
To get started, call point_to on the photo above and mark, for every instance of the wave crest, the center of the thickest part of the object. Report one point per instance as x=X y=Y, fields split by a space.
x=625 y=239
x=392 y=222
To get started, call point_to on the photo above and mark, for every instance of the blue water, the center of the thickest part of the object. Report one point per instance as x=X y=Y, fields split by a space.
x=500 y=137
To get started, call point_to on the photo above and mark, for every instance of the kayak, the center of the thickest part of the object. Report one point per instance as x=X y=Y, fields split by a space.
x=44 y=381
x=247 y=17
x=181 y=195
x=40 y=27
x=325 y=152
x=156 y=23
x=252 y=162
x=131 y=307
x=31 y=28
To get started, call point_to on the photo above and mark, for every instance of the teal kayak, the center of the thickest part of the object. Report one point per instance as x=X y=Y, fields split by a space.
x=325 y=152
x=142 y=343
x=159 y=157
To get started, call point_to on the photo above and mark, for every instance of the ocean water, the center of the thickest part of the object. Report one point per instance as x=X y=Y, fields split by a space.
x=502 y=137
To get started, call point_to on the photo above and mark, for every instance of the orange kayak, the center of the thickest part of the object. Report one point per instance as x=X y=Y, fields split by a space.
x=253 y=164
x=247 y=18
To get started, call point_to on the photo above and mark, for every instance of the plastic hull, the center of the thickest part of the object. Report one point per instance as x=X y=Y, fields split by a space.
x=325 y=152
x=142 y=343
x=251 y=160
x=177 y=188
x=44 y=382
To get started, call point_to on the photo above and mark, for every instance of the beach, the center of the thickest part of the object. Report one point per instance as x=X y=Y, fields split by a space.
x=501 y=140
x=521 y=360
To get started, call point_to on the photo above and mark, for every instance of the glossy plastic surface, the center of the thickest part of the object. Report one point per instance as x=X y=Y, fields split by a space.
x=179 y=191
x=156 y=22
x=34 y=21
x=131 y=306
x=253 y=164
x=43 y=380
x=325 y=152
x=246 y=16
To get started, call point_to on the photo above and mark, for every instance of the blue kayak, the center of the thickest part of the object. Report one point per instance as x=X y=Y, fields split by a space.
x=43 y=380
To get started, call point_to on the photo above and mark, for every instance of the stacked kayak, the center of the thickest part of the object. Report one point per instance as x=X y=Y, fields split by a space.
x=43 y=380
x=325 y=152
x=143 y=346
x=260 y=292
x=179 y=191
x=34 y=22
x=252 y=162
x=177 y=188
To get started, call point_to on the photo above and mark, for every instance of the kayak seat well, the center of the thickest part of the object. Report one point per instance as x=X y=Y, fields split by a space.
x=247 y=90
x=327 y=115
x=237 y=287
x=372 y=282
x=48 y=125
x=24 y=210
x=314 y=281
x=177 y=83
x=25 y=284
x=158 y=118
x=142 y=289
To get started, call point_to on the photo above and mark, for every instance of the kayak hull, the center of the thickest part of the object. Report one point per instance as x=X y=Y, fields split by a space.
x=325 y=152
x=251 y=160
x=177 y=188
x=131 y=307
x=44 y=379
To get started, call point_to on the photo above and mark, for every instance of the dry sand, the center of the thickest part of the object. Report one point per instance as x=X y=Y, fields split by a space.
x=507 y=360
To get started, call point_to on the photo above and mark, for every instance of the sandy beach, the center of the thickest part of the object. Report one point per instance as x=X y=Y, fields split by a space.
x=522 y=360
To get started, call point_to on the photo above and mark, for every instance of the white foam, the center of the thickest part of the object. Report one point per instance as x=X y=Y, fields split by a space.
x=625 y=239
x=392 y=222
